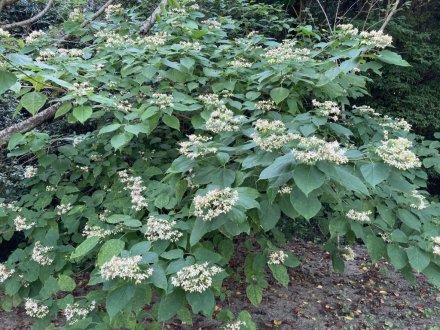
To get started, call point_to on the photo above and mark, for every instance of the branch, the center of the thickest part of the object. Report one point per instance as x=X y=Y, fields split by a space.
x=28 y=124
x=98 y=13
x=325 y=15
x=388 y=18
x=148 y=24
x=30 y=20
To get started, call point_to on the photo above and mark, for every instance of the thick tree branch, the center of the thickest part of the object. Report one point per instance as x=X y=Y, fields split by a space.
x=30 y=20
x=28 y=124
x=98 y=13
x=390 y=14
x=148 y=24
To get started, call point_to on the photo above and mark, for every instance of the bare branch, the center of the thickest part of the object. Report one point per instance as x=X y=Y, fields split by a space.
x=148 y=24
x=325 y=14
x=98 y=13
x=30 y=20
x=390 y=14
x=28 y=124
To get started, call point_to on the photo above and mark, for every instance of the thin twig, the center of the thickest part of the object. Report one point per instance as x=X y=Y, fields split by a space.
x=30 y=20
x=98 y=13
x=390 y=14
x=325 y=14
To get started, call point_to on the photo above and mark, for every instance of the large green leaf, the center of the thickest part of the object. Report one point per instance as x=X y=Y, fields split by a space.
x=109 y=249
x=7 y=80
x=392 y=58
x=33 y=101
x=279 y=272
x=409 y=219
x=170 y=304
x=82 y=113
x=397 y=256
x=85 y=247
x=308 y=178
x=376 y=247
x=201 y=302
x=254 y=294
x=375 y=173
x=118 y=299
x=418 y=259
x=307 y=206
x=269 y=215
x=279 y=94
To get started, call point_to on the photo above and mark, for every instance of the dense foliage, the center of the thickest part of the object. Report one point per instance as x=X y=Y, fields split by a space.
x=200 y=139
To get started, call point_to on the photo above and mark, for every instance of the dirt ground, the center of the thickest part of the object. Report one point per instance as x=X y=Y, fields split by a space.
x=366 y=296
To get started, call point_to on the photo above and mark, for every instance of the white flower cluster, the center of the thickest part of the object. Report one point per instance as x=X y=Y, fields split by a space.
x=161 y=229
x=421 y=201
x=214 y=203
x=45 y=55
x=125 y=268
x=136 y=187
x=347 y=29
x=124 y=106
x=113 y=10
x=366 y=110
x=436 y=248
x=277 y=257
x=81 y=89
x=286 y=52
x=78 y=139
x=5 y=273
x=395 y=153
x=223 y=120
x=4 y=33
x=178 y=12
x=396 y=124
x=240 y=63
x=210 y=99
x=96 y=231
x=327 y=109
x=30 y=172
x=361 y=216
x=312 y=149
x=212 y=23
x=285 y=190
x=63 y=208
x=187 y=45
x=196 y=146
x=21 y=223
x=51 y=188
x=271 y=135
x=163 y=101
x=39 y=254
x=74 y=312
x=31 y=38
x=348 y=253
x=236 y=325
x=265 y=105
x=33 y=310
x=10 y=206
x=376 y=39
x=154 y=40
x=189 y=179
x=195 y=278
x=76 y=15
x=72 y=52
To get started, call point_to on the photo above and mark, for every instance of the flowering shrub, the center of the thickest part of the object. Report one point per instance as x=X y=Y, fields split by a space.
x=199 y=142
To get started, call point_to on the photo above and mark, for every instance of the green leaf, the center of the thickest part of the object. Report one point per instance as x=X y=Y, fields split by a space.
x=199 y=230
x=205 y=255
x=409 y=219
x=33 y=101
x=279 y=94
x=307 y=206
x=109 y=128
x=375 y=173
x=170 y=304
x=397 y=256
x=120 y=140
x=291 y=261
x=308 y=178
x=254 y=294
x=85 y=247
x=7 y=80
x=171 y=121
x=201 y=302
x=269 y=215
x=350 y=181
x=63 y=109
x=82 y=113
x=136 y=129
x=389 y=57
x=118 y=299
x=280 y=166
x=418 y=259
x=279 y=272
x=109 y=249
x=15 y=140
x=66 y=283
x=376 y=247
x=432 y=273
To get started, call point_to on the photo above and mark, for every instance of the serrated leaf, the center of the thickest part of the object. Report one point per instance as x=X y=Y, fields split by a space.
x=33 y=101
x=82 y=113
x=279 y=272
x=417 y=258
x=171 y=121
x=254 y=294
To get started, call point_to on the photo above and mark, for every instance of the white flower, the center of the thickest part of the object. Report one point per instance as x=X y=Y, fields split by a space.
x=265 y=105
x=161 y=229
x=187 y=45
x=39 y=254
x=214 y=203
x=136 y=187
x=436 y=250
x=5 y=273
x=285 y=190
x=396 y=124
x=163 y=101
x=236 y=325
x=210 y=99
x=223 y=120
x=10 y=206
x=212 y=23
x=277 y=257
x=31 y=38
x=347 y=29
x=365 y=109
x=125 y=268
x=195 y=278
x=327 y=109
x=113 y=10
x=286 y=52
x=63 y=208
x=312 y=149
x=271 y=135
x=124 y=106
x=240 y=63
x=154 y=40
x=33 y=310
x=196 y=146
x=81 y=89
x=361 y=216
x=74 y=313
x=348 y=254
x=376 y=39
x=76 y=15
x=4 y=33
x=73 y=52
x=21 y=223
x=30 y=172
x=421 y=201
x=45 y=55
x=96 y=231
x=395 y=153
